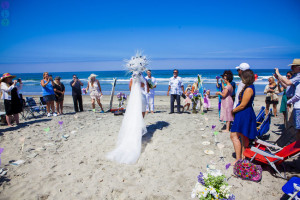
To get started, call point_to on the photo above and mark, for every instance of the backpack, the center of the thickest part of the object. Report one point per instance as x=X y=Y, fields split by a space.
x=246 y=170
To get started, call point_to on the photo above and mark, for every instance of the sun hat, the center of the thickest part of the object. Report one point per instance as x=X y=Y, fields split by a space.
x=7 y=75
x=92 y=75
x=243 y=66
x=296 y=61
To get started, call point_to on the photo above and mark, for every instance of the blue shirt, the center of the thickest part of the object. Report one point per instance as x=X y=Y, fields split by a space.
x=48 y=89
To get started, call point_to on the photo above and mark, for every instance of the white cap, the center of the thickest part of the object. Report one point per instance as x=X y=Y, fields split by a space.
x=243 y=66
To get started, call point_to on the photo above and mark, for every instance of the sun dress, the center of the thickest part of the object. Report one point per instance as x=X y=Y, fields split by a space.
x=227 y=105
x=245 y=120
x=206 y=101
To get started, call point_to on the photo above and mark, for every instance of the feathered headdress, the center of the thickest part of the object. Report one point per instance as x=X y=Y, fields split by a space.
x=137 y=63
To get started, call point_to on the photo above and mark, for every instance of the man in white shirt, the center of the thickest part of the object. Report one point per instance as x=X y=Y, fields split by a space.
x=176 y=88
x=240 y=68
x=150 y=95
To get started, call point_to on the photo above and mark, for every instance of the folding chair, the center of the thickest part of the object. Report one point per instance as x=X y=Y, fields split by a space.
x=31 y=108
x=264 y=127
x=292 y=188
x=260 y=116
x=273 y=159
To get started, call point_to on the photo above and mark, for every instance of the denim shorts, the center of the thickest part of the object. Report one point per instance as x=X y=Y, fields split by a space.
x=296 y=116
x=49 y=98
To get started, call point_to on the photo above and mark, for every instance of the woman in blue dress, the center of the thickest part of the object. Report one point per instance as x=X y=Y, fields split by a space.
x=244 y=125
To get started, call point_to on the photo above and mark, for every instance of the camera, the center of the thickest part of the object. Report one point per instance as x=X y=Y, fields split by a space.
x=19 y=80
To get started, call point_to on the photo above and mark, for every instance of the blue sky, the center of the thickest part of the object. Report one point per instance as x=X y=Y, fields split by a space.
x=98 y=35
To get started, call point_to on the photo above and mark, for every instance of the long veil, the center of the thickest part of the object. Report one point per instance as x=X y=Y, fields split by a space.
x=133 y=127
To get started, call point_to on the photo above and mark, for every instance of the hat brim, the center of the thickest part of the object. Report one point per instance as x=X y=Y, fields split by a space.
x=293 y=64
x=11 y=76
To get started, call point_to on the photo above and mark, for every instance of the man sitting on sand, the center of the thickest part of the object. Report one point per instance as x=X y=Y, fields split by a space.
x=176 y=87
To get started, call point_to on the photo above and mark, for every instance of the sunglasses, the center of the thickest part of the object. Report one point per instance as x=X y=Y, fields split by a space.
x=175 y=72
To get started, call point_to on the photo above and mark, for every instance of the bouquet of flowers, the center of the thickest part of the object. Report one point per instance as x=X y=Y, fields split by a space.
x=212 y=185
x=121 y=98
x=195 y=96
x=150 y=83
x=84 y=91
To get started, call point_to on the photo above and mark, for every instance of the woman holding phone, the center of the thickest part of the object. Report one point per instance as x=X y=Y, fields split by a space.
x=48 y=93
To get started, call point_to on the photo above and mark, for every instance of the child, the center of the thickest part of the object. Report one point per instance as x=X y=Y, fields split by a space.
x=206 y=99
x=187 y=100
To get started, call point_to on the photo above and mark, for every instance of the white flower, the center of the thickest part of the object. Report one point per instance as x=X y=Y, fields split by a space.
x=215 y=172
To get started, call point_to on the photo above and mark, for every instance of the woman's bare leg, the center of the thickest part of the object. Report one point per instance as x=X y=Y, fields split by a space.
x=234 y=136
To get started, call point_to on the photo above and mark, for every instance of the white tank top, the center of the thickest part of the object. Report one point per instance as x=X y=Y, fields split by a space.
x=94 y=87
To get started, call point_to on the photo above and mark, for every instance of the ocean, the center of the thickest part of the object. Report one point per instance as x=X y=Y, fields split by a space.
x=31 y=81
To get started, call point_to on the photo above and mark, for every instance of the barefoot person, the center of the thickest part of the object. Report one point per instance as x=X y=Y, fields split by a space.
x=226 y=102
x=59 y=90
x=10 y=95
x=129 y=144
x=244 y=124
x=95 y=91
x=272 y=98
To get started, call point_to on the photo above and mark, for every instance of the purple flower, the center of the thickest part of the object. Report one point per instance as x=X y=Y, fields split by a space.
x=60 y=122
x=228 y=165
x=200 y=178
x=231 y=197
x=213 y=127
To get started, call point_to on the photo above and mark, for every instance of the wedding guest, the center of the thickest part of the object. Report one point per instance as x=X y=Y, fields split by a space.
x=272 y=98
x=295 y=100
x=287 y=94
x=76 y=93
x=48 y=93
x=232 y=83
x=226 y=102
x=187 y=100
x=150 y=95
x=59 y=90
x=295 y=67
x=176 y=88
x=10 y=95
x=95 y=91
x=206 y=101
x=242 y=67
x=244 y=124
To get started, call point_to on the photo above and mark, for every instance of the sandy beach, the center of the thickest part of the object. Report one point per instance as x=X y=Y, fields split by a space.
x=76 y=168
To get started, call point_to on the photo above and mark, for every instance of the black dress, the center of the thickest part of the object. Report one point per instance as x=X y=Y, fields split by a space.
x=13 y=106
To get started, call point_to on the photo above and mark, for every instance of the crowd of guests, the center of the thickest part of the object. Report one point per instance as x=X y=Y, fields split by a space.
x=236 y=105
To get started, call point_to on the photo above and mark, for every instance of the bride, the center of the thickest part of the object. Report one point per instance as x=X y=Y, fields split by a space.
x=128 y=148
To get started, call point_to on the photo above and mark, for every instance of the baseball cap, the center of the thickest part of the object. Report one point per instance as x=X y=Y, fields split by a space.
x=243 y=66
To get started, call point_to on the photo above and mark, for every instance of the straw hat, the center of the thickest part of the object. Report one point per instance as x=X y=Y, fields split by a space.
x=6 y=75
x=92 y=75
x=296 y=61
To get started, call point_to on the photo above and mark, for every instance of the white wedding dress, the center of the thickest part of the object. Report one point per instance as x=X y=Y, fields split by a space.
x=133 y=127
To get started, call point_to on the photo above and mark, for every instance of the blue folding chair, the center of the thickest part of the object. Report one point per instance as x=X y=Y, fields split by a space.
x=264 y=127
x=31 y=108
x=290 y=189
x=260 y=116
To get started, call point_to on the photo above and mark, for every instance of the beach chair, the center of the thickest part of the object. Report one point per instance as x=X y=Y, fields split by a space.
x=292 y=188
x=31 y=108
x=273 y=159
x=260 y=116
x=264 y=127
